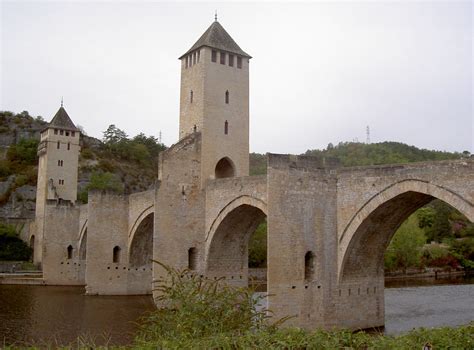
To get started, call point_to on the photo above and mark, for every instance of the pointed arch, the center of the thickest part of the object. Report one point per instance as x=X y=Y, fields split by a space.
x=224 y=168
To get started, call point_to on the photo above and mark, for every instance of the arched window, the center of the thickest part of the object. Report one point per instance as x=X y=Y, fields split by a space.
x=69 y=252
x=191 y=96
x=227 y=97
x=309 y=266
x=116 y=254
x=192 y=258
x=224 y=168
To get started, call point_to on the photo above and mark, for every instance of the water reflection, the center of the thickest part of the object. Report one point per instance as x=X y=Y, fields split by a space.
x=60 y=314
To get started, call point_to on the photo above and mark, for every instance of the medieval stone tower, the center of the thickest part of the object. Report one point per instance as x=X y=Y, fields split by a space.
x=58 y=154
x=215 y=101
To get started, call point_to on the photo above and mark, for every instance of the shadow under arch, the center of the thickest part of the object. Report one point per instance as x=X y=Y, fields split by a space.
x=227 y=246
x=364 y=240
x=83 y=246
x=141 y=244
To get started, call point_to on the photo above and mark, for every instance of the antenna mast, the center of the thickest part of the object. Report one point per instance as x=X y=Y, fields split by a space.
x=368 y=135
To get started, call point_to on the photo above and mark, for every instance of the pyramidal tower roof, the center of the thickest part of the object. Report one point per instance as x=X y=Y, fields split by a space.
x=216 y=37
x=61 y=120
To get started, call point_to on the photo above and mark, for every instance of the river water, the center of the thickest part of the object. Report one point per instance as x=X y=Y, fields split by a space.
x=53 y=315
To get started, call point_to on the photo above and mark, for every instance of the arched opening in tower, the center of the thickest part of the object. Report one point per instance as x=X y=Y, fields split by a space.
x=224 y=168
x=238 y=248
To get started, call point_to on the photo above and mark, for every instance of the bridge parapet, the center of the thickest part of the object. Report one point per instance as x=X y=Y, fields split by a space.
x=357 y=186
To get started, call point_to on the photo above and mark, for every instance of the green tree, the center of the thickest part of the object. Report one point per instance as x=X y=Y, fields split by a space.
x=258 y=247
x=441 y=226
x=23 y=153
x=114 y=135
x=104 y=181
x=405 y=249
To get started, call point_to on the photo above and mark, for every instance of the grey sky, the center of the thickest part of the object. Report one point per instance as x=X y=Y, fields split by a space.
x=321 y=71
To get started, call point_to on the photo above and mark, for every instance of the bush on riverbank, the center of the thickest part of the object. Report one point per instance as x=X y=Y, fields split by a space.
x=197 y=313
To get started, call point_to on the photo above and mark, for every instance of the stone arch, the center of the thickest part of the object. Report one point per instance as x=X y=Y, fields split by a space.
x=141 y=244
x=365 y=238
x=138 y=220
x=227 y=241
x=224 y=168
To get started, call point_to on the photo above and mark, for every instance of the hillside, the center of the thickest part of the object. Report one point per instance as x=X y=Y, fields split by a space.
x=117 y=162
x=361 y=154
x=129 y=164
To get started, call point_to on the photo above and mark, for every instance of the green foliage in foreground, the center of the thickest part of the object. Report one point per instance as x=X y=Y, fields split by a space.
x=193 y=307
x=198 y=313
x=12 y=248
x=442 y=338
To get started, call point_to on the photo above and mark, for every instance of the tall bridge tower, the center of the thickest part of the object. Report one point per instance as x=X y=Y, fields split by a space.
x=58 y=153
x=215 y=102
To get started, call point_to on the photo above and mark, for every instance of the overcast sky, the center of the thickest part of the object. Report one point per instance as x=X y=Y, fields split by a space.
x=321 y=72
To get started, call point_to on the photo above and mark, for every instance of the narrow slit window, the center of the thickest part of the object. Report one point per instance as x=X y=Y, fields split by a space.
x=192 y=259
x=214 y=56
x=222 y=57
x=227 y=97
x=69 y=252
x=231 y=60
x=116 y=254
x=73 y=133
x=226 y=127
x=239 y=62
x=191 y=96
x=59 y=145
x=68 y=146
x=309 y=266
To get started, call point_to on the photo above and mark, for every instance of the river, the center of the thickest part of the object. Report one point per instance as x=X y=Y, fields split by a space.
x=51 y=315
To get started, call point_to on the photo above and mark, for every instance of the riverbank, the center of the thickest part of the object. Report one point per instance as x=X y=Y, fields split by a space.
x=43 y=315
x=292 y=338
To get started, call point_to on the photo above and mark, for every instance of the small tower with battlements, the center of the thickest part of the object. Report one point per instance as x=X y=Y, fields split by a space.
x=58 y=153
x=215 y=102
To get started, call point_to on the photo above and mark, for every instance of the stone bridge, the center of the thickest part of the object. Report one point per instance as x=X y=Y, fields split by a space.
x=328 y=229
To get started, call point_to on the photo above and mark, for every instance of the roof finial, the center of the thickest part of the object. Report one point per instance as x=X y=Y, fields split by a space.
x=215 y=16
x=61 y=101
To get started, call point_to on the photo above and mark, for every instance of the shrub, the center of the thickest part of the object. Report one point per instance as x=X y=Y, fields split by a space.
x=193 y=308
x=87 y=153
x=11 y=246
x=106 y=165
